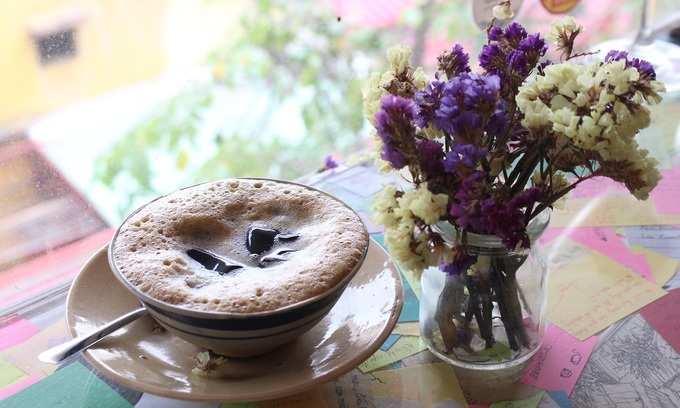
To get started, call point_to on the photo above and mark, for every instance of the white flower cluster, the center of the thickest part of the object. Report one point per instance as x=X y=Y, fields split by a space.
x=404 y=215
x=375 y=88
x=502 y=11
x=596 y=106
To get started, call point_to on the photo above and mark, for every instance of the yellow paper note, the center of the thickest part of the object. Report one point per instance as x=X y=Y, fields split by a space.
x=428 y=384
x=613 y=211
x=531 y=402
x=10 y=374
x=593 y=292
x=23 y=355
x=404 y=347
x=663 y=267
x=309 y=399
x=562 y=251
x=407 y=329
x=352 y=390
x=413 y=281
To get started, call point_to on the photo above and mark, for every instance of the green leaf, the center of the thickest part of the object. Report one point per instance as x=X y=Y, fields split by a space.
x=499 y=351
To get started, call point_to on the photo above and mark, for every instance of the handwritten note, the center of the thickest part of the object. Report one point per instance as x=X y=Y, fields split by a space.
x=664 y=316
x=559 y=362
x=593 y=292
x=404 y=347
x=428 y=384
x=352 y=390
x=664 y=239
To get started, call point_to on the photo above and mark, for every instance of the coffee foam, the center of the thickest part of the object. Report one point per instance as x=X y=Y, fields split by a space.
x=150 y=249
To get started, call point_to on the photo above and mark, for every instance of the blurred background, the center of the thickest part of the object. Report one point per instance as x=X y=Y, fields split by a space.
x=105 y=104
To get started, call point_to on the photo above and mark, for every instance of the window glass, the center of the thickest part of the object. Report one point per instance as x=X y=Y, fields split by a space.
x=109 y=103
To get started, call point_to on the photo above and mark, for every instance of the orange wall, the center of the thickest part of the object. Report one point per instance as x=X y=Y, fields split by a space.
x=118 y=42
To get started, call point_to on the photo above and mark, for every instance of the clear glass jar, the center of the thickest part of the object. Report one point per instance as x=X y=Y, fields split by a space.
x=491 y=315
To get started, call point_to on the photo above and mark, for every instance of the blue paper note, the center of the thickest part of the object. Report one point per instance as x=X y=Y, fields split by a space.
x=410 y=310
x=72 y=386
x=664 y=239
x=561 y=398
x=391 y=339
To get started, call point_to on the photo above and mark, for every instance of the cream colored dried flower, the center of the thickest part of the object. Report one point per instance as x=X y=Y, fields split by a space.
x=562 y=33
x=384 y=205
x=399 y=240
x=424 y=205
x=208 y=365
x=502 y=11
x=420 y=78
x=399 y=57
x=372 y=91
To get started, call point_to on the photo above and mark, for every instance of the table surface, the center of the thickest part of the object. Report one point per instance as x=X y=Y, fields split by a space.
x=622 y=255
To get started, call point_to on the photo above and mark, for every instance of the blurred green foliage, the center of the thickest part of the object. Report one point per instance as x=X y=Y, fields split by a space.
x=290 y=54
x=284 y=94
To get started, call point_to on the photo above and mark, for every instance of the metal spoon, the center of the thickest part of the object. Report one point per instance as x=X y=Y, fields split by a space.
x=59 y=353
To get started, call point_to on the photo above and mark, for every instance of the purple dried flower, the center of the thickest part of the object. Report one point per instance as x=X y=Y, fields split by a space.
x=507 y=219
x=462 y=209
x=391 y=155
x=517 y=61
x=395 y=128
x=514 y=33
x=491 y=59
x=615 y=55
x=495 y=33
x=458 y=267
x=428 y=103
x=431 y=155
x=466 y=104
x=499 y=122
x=329 y=163
x=533 y=43
x=463 y=154
x=645 y=68
x=454 y=62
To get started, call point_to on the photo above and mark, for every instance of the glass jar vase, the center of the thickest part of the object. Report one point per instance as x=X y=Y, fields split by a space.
x=490 y=313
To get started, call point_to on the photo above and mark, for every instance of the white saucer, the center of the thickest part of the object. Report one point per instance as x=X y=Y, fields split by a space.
x=146 y=358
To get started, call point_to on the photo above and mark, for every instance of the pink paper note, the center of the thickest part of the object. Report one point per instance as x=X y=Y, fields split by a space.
x=16 y=332
x=667 y=194
x=664 y=316
x=605 y=241
x=597 y=187
x=559 y=362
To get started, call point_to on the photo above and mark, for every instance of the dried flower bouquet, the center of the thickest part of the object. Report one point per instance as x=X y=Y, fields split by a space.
x=489 y=150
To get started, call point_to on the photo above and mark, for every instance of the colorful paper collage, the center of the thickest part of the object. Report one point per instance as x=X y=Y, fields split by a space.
x=664 y=316
x=607 y=264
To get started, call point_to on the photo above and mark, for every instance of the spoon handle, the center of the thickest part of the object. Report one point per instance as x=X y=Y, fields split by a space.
x=59 y=353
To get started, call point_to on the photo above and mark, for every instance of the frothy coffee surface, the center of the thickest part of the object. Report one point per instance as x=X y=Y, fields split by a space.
x=239 y=245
